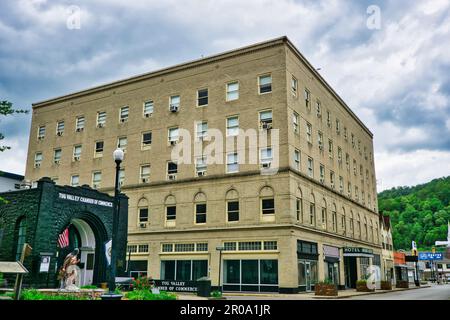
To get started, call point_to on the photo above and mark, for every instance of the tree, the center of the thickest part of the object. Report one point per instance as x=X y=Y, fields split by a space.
x=6 y=109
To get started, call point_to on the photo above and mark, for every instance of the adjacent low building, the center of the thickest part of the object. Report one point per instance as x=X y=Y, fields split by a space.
x=40 y=215
x=10 y=181
x=298 y=210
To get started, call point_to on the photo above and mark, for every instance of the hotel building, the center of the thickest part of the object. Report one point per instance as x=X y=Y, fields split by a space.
x=315 y=219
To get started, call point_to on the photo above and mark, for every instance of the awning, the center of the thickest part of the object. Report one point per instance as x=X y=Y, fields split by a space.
x=331 y=254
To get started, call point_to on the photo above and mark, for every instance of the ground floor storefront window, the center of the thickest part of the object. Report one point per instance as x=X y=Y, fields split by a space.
x=137 y=268
x=184 y=270
x=364 y=264
x=250 y=275
x=332 y=272
x=307 y=274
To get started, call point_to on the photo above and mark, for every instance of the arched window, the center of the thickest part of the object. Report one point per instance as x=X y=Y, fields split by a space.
x=358 y=222
x=343 y=222
x=334 y=217
x=299 y=205
x=232 y=205
x=352 y=224
x=171 y=211
x=21 y=236
x=267 y=201
x=365 y=229
x=324 y=214
x=200 y=208
x=312 y=210
x=143 y=212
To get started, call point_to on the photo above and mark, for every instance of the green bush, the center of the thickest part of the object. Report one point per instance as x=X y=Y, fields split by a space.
x=89 y=287
x=148 y=295
x=216 y=294
x=142 y=283
x=326 y=281
x=33 y=294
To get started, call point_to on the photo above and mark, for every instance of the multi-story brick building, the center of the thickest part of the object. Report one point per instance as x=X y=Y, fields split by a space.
x=315 y=218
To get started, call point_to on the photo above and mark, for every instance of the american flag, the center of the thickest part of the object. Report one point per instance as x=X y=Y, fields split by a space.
x=63 y=239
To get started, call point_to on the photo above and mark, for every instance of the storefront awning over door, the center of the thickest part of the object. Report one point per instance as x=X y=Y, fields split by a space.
x=331 y=254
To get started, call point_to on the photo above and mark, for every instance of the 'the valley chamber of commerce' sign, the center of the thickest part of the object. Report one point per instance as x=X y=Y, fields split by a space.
x=176 y=286
x=357 y=252
x=71 y=197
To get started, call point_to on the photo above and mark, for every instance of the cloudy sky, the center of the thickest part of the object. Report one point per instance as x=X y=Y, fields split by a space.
x=394 y=72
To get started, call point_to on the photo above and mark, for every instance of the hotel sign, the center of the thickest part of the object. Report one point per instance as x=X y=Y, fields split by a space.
x=71 y=197
x=357 y=252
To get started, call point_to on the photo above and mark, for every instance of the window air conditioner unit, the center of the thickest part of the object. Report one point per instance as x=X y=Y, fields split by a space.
x=59 y=133
x=201 y=173
x=57 y=161
x=41 y=138
x=100 y=125
x=76 y=158
x=266 y=125
x=123 y=120
x=79 y=129
x=266 y=165
x=172 y=176
x=143 y=225
x=174 y=108
x=145 y=180
x=322 y=180
x=147 y=115
x=37 y=165
x=173 y=142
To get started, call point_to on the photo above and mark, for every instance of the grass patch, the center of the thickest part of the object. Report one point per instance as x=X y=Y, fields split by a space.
x=33 y=294
x=148 y=295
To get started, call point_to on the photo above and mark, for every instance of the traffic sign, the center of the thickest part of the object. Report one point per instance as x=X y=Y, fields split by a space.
x=430 y=256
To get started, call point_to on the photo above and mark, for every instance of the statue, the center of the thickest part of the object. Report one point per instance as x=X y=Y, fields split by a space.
x=69 y=272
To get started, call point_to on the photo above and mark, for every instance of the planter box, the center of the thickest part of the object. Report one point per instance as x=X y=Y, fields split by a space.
x=362 y=287
x=386 y=285
x=329 y=290
x=402 y=284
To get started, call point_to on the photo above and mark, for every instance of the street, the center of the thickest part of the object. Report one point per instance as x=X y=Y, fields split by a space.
x=435 y=292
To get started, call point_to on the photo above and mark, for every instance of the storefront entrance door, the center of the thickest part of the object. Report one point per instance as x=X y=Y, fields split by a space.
x=308 y=275
x=350 y=272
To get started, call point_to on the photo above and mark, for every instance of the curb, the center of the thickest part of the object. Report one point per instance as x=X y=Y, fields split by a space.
x=371 y=293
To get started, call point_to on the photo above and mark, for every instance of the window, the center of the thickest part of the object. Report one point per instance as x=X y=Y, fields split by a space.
x=309 y=132
x=202 y=130
x=96 y=179
x=297 y=159
x=101 y=119
x=295 y=122
x=146 y=140
x=122 y=143
x=37 y=159
x=171 y=213
x=41 y=132
x=57 y=156
x=328 y=119
x=345 y=134
x=312 y=213
x=320 y=140
x=294 y=86
x=265 y=84
x=330 y=148
x=77 y=153
x=175 y=102
x=80 y=124
x=299 y=209
x=266 y=156
x=249 y=246
x=268 y=206
x=60 y=128
x=21 y=237
x=200 y=166
x=307 y=95
x=200 y=213
x=318 y=109
x=310 y=167
x=172 y=170
x=324 y=215
x=338 y=127
x=349 y=189
x=332 y=179
x=121 y=177
x=232 y=162
x=322 y=173
x=341 y=184
x=232 y=91
x=202 y=97
x=143 y=248
x=232 y=126
x=75 y=180
x=340 y=156
x=145 y=173
x=124 y=114
x=148 y=108
x=202 y=247
x=355 y=169
x=334 y=220
x=265 y=118
x=173 y=135
x=353 y=141
x=232 y=211
x=143 y=215
x=98 y=149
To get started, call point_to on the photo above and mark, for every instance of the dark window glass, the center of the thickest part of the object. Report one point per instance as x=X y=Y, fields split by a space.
x=199 y=269
x=21 y=236
x=233 y=210
x=183 y=270
x=172 y=167
x=200 y=216
x=268 y=206
x=147 y=138
x=203 y=97
x=232 y=271
x=171 y=213
x=168 y=270
x=99 y=146
x=250 y=271
x=268 y=271
x=143 y=215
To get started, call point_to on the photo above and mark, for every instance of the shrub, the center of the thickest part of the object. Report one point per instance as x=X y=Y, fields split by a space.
x=216 y=294
x=143 y=283
x=33 y=294
x=148 y=295
x=89 y=287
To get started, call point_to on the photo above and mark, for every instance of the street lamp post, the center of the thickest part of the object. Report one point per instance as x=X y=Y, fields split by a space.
x=118 y=158
x=220 y=249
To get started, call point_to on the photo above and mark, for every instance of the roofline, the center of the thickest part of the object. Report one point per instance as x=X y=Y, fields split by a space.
x=202 y=61
x=10 y=175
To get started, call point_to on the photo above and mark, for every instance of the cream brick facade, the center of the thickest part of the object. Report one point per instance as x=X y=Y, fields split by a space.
x=356 y=221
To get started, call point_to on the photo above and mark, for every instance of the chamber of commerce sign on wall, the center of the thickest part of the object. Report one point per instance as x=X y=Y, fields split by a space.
x=176 y=286
x=96 y=202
